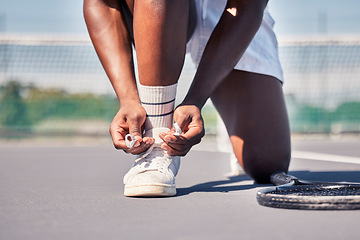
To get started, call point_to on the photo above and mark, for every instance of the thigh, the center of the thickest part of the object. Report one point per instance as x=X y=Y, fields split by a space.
x=253 y=109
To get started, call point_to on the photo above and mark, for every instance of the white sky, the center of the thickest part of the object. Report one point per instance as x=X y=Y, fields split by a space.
x=293 y=17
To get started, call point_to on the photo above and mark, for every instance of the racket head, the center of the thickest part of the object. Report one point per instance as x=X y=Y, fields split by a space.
x=298 y=194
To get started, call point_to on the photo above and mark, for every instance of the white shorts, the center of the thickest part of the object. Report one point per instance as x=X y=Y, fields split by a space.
x=260 y=57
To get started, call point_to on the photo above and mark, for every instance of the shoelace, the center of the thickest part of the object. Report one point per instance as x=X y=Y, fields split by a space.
x=156 y=162
x=130 y=141
x=145 y=154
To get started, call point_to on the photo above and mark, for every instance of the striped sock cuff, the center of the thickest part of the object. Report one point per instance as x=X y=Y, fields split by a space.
x=157 y=94
x=159 y=102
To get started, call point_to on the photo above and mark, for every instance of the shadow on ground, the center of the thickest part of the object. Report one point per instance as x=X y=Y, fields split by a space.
x=218 y=186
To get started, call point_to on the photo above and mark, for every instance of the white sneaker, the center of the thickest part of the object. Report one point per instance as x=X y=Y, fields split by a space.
x=153 y=173
x=235 y=167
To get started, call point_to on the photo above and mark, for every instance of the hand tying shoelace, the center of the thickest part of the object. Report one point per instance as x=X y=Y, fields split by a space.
x=130 y=139
x=154 y=171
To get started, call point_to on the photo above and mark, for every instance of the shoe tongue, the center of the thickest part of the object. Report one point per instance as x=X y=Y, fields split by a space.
x=154 y=132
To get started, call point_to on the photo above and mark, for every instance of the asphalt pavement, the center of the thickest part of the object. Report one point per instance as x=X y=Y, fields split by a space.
x=67 y=191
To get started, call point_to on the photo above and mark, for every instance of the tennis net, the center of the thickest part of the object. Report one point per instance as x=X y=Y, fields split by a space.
x=55 y=84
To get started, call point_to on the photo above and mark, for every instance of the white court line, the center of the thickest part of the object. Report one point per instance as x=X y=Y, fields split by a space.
x=325 y=157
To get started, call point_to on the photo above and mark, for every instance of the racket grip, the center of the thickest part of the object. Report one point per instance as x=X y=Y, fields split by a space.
x=282 y=178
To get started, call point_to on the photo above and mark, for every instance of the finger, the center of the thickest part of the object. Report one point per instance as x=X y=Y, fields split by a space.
x=179 y=147
x=149 y=140
x=194 y=134
x=164 y=135
x=181 y=118
x=182 y=122
x=178 y=143
x=182 y=143
x=174 y=152
x=120 y=144
x=141 y=147
x=137 y=150
x=117 y=138
x=169 y=137
x=135 y=130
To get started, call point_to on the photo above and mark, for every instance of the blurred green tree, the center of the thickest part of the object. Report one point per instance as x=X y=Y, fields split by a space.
x=13 y=110
x=348 y=112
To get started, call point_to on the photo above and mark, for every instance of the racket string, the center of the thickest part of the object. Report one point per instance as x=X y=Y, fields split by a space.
x=320 y=191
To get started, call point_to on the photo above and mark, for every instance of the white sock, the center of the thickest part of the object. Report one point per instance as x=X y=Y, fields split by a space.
x=159 y=102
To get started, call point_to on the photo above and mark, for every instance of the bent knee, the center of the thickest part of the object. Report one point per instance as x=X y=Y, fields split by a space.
x=260 y=166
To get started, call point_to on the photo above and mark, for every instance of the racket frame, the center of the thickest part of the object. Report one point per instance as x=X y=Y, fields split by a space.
x=272 y=197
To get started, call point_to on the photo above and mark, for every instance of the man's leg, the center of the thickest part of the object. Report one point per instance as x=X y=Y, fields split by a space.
x=253 y=109
x=160 y=34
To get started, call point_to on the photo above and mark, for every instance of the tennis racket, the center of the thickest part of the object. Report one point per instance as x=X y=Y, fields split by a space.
x=294 y=193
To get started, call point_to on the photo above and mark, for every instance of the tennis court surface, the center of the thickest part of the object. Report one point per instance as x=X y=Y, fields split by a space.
x=65 y=191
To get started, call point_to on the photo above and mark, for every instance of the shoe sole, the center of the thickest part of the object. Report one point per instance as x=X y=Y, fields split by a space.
x=150 y=191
